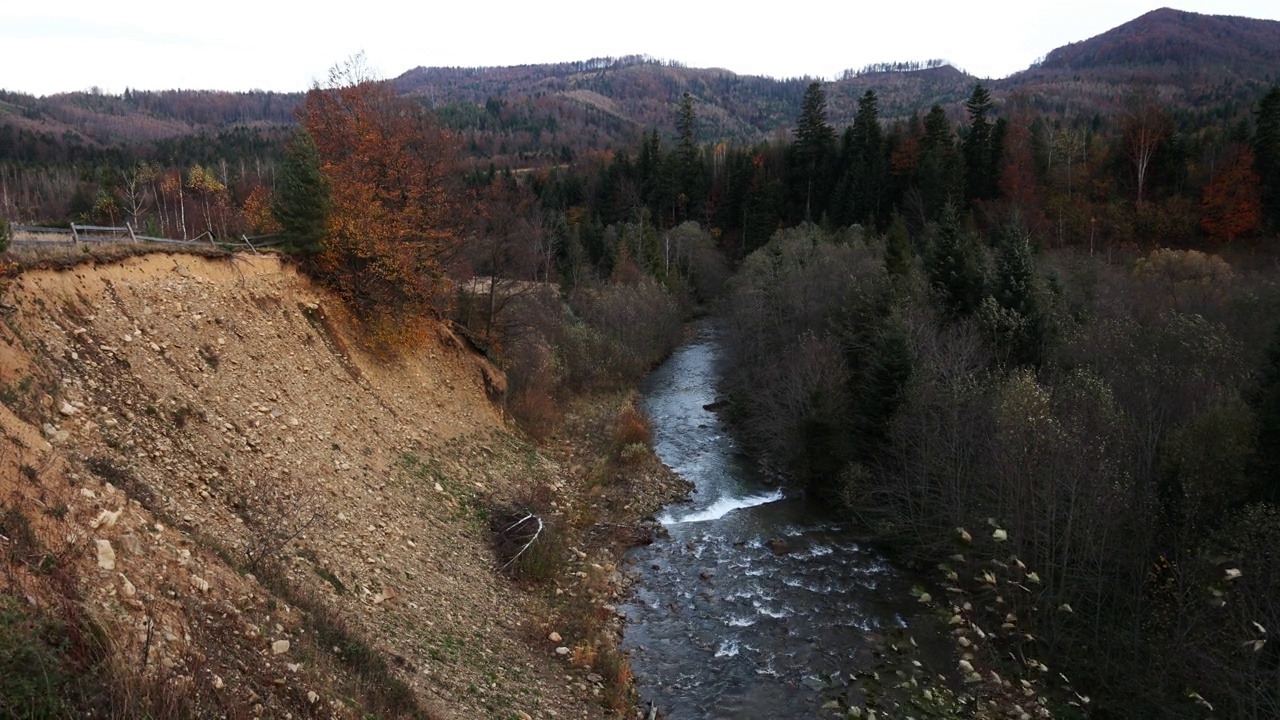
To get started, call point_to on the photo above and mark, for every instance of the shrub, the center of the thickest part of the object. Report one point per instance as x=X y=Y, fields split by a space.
x=536 y=411
x=631 y=427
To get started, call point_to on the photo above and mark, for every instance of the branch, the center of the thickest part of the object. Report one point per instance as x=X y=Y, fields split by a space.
x=527 y=545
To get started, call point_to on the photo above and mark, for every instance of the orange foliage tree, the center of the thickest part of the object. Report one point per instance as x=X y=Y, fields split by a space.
x=1232 y=201
x=392 y=221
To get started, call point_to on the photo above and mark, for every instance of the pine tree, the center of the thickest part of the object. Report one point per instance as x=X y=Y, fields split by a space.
x=302 y=195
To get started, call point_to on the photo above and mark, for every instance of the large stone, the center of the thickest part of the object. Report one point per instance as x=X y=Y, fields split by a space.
x=554 y=637
x=279 y=647
x=106 y=555
x=67 y=409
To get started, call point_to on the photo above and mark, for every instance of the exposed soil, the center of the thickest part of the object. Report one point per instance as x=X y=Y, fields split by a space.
x=214 y=465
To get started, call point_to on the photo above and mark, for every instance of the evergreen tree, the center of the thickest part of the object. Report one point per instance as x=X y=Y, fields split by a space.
x=811 y=154
x=897 y=248
x=886 y=370
x=1014 y=290
x=690 y=181
x=865 y=167
x=1266 y=154
x=939 y=176
x=653 y=178
x=302 y=195
x=979 y=148
x=955 y=265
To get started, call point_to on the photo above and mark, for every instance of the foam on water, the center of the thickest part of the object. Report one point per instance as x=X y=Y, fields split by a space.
x=722 y=507
x=729 y=648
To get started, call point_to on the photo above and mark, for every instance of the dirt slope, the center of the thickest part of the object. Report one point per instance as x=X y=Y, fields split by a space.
x=171 y=419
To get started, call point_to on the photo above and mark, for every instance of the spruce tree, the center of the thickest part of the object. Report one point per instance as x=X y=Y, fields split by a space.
x=690 y=182
x=302 y=195
x=812 y=153
x=865 y=167
x=981 y=178
x=955 y=265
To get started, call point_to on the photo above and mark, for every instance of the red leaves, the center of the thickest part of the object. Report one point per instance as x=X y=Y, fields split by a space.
x=1232 y=201
x=392 y=217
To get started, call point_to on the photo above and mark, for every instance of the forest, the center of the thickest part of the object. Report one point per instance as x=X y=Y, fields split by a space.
x=1061 y=325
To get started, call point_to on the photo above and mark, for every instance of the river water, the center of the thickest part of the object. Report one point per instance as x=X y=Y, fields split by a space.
x=758 y=604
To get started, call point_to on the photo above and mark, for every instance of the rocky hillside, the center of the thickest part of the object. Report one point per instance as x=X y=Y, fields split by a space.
x=202 y=467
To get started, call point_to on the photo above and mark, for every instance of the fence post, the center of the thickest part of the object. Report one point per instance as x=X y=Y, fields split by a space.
x=132 y=237
x=75 y=238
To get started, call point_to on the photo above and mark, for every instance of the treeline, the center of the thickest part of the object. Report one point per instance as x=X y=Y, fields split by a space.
x=178 y=187
x=1142 y=177
x=892 y=67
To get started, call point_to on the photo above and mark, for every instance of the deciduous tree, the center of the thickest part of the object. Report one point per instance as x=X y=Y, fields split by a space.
x=1232 y=204
x=392 y=223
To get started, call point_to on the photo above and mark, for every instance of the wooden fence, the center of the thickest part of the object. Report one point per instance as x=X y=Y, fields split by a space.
x=36 y=236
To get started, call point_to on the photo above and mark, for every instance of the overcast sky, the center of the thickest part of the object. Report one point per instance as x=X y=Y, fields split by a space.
x=65 y=45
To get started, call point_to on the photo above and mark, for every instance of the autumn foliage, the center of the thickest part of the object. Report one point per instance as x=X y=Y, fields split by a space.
x=1232 y=203
x=391 y=213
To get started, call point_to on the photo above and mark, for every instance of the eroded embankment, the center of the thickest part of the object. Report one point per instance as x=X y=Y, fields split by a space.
x=200 y=460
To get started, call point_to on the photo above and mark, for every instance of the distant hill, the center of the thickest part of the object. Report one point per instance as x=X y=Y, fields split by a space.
x=531 y=115
x=1173 y=42
x=1194 y=63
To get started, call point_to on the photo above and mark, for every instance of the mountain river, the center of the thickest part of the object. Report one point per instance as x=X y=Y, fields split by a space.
x=758 y=603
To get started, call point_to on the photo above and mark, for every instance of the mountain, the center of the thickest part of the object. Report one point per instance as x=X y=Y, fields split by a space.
x=1194 y=63
x=537 y=115
x=1174 y=42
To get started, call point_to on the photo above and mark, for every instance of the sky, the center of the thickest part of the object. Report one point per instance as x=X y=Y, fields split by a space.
x=70 y=45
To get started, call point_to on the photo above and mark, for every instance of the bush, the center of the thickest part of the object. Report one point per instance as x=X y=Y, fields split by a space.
x=536 y=411
x=631 y=427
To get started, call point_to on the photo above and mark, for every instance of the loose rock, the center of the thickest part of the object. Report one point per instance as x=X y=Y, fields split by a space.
x=106 y=555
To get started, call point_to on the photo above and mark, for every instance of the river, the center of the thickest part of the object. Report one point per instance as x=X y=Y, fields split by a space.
x=758 y=604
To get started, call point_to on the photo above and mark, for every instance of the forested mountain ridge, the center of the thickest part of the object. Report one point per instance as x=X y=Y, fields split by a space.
x=1193 y=63
x=1192 y=58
